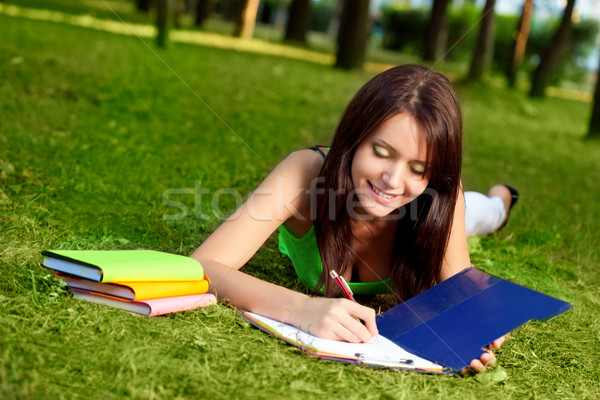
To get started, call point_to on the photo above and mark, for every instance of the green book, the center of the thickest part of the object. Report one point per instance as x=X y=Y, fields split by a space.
x=124 y=265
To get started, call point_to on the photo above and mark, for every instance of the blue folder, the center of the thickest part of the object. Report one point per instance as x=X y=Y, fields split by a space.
x=451 y=322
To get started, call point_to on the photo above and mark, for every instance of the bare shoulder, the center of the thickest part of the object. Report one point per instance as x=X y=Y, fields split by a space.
x=304 y=164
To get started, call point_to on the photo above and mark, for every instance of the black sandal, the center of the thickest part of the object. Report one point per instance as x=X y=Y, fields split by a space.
x=514 y=197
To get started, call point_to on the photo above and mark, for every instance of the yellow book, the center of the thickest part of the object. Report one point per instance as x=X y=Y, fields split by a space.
x=138 y=290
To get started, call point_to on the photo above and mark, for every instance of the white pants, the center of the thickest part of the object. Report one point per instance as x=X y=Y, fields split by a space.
x=483 y=215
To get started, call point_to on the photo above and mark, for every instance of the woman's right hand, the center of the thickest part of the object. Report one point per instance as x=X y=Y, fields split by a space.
x=334 y=319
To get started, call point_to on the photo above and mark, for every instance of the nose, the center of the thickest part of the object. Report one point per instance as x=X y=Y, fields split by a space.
x=395 y=178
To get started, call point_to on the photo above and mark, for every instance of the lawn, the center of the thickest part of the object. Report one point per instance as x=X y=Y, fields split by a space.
x=94 y=129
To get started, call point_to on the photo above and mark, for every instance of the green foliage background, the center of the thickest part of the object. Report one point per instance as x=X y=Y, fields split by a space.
x=405 y=29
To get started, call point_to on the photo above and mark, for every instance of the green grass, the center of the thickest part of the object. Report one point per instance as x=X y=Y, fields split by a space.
x=94 y=128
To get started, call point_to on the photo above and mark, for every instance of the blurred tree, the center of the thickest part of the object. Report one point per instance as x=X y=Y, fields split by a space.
x=594 y=131
x=437 y=31
x=162 y=22
x=298 y=21
x=178 y=11
x=246 y=18
x=334 y=22
x=204 y=8
x=143 y=5
x=553 y=54
x=280 y=15
x=484 y=47
x=519 y=43
x=353 y=34
x=229 y=9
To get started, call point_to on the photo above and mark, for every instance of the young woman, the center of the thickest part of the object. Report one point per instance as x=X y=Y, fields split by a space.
x=383 y=206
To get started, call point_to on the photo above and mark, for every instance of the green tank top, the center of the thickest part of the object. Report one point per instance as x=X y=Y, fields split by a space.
x=306 y=259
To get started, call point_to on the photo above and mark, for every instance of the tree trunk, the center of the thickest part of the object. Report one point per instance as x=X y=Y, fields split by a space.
x=178 y=10
x=204 y=8
x=298 y=21
x=437 y=31
x=162 y=22
x=594 y=131
x=280 y=15
x=484 y=48
x=247 y=19
x=143 y=5
x=334 y=23
x=519 y=43
x=551 y=57
x=353 y=34
x=230 y=10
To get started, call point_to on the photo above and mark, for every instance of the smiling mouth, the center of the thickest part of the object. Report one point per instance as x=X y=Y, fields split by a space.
x=380 y=193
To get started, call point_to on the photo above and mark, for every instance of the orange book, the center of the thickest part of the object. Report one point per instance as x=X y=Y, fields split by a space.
x=138 y=290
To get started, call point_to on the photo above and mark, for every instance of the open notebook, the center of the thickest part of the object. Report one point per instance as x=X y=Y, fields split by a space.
x=448 y=325
x=379 y=352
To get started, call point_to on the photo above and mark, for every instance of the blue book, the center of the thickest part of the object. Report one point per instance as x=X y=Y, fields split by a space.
x=451 y=322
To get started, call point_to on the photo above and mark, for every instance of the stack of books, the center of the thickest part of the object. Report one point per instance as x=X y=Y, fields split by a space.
x=145 y=282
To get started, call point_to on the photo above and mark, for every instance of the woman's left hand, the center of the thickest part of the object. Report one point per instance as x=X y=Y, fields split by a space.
x=487 y=359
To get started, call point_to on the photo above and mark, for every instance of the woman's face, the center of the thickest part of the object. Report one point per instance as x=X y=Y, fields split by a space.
x=390 y=168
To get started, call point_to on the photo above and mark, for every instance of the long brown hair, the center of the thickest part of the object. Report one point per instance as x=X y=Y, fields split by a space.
x=423 y=231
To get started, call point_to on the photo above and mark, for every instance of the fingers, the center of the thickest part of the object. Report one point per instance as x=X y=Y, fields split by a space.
x=487 y=360
x=367 y=315
x=466 y=371
x=476 y=366
x=352 y=330
x=356 y=328
x=498 y=342
x=335 y=319
x=351 y=335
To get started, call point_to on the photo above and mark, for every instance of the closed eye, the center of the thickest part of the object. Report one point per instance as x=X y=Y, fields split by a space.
x=381 y=151
x=418 y=169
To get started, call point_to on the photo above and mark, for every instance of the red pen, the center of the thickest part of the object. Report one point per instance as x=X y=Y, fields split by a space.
x=343 y=285
x=345 y=289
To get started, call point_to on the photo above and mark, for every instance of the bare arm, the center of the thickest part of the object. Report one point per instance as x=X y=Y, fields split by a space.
x=280 y=196
x=456 y=257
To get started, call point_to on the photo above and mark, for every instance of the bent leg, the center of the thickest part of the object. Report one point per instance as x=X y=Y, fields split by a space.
x=483 y=214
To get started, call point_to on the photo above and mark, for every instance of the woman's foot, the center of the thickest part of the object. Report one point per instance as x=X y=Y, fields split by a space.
x=509 y=197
